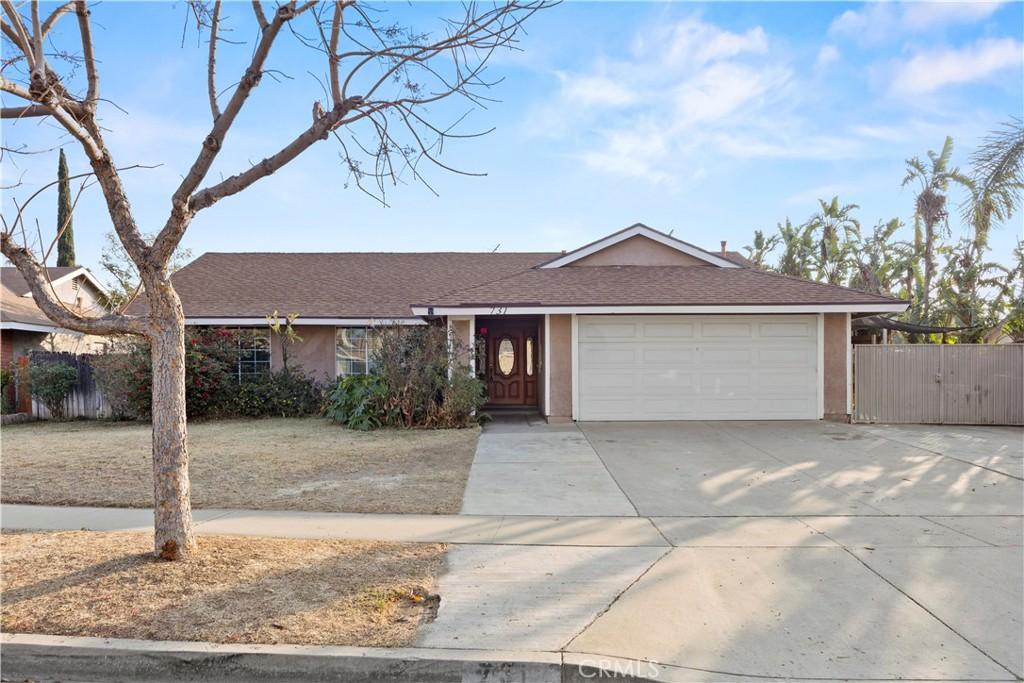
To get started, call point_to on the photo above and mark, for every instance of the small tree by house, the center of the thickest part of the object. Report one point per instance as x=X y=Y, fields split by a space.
x=50 y=383
x=382 y=80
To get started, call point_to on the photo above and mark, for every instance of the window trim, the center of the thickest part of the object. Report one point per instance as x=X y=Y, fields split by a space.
x=368 y=330
x=238 y=349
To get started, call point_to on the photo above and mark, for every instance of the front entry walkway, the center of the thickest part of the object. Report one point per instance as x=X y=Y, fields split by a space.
x=527 y=467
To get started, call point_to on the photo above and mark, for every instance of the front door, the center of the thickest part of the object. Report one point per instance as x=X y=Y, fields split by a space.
x=511 y=370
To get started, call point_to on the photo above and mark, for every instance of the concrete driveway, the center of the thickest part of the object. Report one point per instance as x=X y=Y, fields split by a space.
x=788 y=550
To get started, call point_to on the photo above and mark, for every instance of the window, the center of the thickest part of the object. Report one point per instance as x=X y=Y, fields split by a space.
x=506 y=357
x=353 y=350
x=253 y=355
x=529 y=356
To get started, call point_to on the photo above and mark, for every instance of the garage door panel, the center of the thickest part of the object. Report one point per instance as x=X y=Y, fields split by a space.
x=803 y=330
x=692 y=367
x=656 y=383
x=668 y=355
x=670 y=330
x=782 y=383
x=621 y=354
x=603 y=381
x=726 y=383
x=728 y=330
x=788 y=356
x=613 y=330
x=726 y=356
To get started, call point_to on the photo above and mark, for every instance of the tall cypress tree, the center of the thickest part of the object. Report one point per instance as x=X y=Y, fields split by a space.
x=66 y=244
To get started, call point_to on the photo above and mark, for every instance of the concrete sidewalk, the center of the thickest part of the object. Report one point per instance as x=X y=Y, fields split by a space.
x=705 y=598
x=475 y=529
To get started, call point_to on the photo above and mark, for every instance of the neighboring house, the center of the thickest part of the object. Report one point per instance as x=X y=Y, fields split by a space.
x=25 y=328
x=636 y=326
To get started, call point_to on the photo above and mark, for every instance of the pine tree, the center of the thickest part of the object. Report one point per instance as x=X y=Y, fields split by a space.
x=66 y=243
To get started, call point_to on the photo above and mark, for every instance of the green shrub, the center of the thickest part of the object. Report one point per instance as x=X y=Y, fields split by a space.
x=122 y=375
x=411 y=384
x=125 y=376
x=50 y=384
x=285 y=393
x=6 y=381
x=423 y=389
x=359 y=402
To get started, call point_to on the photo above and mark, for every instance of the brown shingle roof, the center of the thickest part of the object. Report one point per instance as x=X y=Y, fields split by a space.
x=333 y=285
x=15 y=308
x=652 y=286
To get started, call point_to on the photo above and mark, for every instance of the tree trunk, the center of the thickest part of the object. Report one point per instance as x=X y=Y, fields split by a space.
x=174 y=539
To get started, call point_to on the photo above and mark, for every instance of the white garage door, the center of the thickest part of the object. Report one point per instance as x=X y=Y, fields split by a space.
x=690 y=367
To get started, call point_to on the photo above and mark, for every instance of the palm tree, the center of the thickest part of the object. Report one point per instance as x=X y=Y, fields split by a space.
x=798 y=249
x=879 y=262
x=763 y=246
x=836 y=225
x=973 y=293
x=998 y=176
x=930 y=213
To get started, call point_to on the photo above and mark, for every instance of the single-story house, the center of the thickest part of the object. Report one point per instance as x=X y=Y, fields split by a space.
x=638 y=325
x=25 y=328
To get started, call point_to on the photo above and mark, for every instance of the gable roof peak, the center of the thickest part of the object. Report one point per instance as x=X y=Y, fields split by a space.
x=640 y=230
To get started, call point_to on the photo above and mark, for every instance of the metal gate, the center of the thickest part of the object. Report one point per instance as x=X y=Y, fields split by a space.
x=939 y=383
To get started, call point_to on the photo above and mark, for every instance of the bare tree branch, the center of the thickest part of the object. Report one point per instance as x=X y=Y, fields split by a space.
x=38 y=282
x=92 y=74
x=261 y=18
x=56 y=14
x=211 y=68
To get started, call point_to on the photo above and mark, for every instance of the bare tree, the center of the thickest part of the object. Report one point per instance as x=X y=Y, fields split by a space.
x=381 y=81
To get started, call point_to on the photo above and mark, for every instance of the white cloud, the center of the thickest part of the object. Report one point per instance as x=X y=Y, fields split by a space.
x=694 y=42
x=595 y=90
x=928 y=71
x=925 y=15
x=657 y=112
x=724 y=89
x=828 y=54
x=881 y=21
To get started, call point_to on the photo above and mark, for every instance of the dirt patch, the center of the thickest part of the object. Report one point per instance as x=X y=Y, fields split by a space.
x=236 y=590
x=276 y=464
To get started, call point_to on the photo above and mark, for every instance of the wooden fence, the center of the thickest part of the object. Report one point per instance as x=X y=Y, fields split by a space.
x=939 y=383
x=85 y=399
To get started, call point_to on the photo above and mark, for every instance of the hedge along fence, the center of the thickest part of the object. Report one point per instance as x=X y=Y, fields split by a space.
x=85 y=399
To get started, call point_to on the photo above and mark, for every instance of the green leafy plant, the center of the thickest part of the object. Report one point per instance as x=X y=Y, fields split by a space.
x=359 y=402
x=286 y=393
x=50 y=383
x=6 y=381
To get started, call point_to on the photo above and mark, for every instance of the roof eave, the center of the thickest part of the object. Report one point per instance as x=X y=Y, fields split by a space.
x=665 y=309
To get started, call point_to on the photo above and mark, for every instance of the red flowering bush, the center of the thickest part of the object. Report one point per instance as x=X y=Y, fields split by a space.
x=125 y=375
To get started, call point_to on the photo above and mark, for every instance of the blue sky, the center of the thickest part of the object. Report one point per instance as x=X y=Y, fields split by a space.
x=711 y=120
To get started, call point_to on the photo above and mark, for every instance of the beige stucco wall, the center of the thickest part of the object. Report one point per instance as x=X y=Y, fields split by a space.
x=639 y=251
x=560 y=370
x=836 y=383
x=315 y=353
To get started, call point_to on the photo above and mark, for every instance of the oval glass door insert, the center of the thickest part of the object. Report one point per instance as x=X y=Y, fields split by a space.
x=506 y=357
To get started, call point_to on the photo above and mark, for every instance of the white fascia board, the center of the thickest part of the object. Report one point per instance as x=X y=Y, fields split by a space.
x=639 y=310
x=338 y=322
x=641 y=231
x=29 y=327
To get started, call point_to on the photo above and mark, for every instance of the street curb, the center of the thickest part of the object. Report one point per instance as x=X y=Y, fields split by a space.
x=87 y=660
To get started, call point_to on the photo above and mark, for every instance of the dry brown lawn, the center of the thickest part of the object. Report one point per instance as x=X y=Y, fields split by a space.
x=274 y=464
x=237 y=590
